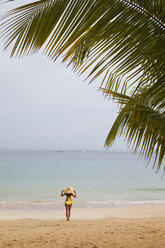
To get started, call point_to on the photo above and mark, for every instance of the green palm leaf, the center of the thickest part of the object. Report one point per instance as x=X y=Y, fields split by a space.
x=121 y=41
x=129 y=42
x=142 y=126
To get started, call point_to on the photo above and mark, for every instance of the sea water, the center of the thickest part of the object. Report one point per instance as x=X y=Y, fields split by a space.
x=34 y=179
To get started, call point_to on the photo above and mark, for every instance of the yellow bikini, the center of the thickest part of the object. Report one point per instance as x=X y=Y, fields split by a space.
x=68 y=200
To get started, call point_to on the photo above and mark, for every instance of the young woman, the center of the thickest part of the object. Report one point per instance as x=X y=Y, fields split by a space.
x=69 y=192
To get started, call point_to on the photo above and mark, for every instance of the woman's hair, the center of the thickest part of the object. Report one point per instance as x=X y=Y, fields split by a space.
x=68 y=195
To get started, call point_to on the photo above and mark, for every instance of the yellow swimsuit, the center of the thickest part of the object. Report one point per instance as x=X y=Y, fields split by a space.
x=68 y=200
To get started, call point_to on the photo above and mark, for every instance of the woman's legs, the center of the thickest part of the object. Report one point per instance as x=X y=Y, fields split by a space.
x=70 y=206
x=68 y=210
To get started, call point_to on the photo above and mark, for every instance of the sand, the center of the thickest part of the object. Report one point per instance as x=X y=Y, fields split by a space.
x=124 y=228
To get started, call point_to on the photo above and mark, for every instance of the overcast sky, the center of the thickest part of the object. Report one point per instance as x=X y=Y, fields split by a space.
x=44 y=105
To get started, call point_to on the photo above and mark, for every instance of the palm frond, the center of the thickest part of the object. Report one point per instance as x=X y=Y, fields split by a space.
x=121 y=40
x=130 y=38
x=142 y=126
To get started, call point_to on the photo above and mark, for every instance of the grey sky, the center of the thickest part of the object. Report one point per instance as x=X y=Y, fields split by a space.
x=44 y=105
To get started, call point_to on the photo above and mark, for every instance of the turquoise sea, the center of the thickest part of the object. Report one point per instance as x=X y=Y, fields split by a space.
x=34 y=179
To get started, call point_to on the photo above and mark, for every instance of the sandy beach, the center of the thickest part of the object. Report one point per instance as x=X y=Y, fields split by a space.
x=121 y=228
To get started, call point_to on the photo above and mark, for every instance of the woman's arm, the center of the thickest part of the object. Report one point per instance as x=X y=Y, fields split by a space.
x=62 y=193
x=74 y=195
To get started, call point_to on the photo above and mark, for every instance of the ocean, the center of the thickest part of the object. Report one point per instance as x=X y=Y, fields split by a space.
x=34 y=179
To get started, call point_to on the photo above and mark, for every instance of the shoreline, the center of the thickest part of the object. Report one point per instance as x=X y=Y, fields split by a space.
x=41 y=205
x=138 y=212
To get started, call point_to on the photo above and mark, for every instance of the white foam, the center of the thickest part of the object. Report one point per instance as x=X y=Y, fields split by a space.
x=108 y=203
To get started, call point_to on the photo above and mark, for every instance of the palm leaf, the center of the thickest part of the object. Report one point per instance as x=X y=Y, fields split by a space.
x=130 y=40
x=122 y=41
x=142 y=126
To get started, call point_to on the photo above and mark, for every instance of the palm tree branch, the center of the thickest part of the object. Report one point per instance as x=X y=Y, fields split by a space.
x=121 y=40
x=115 y=43
x=142 y=126
x=146 y=11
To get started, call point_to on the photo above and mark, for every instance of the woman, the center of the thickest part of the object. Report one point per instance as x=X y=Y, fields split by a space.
x=69 y=192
